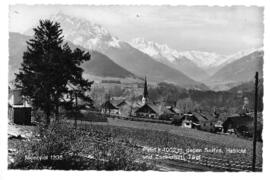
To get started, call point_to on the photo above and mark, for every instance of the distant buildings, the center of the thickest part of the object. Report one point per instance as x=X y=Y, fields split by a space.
x=198 y=120
x=242 y=124
x=109 y=108
x=148 y=111
x=139 y=108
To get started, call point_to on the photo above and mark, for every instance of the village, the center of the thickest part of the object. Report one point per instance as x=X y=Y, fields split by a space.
x=239 y=124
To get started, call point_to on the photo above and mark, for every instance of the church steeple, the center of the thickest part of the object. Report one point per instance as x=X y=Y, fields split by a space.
x=145 y=92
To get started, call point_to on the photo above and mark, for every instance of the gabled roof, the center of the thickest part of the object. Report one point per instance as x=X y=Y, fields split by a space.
x=15 y=97
x=148 y=108
x=108 y=105
x=199 y=116
x=118 y=102
x=169 y=110
x=122 y=103
x=202 y=117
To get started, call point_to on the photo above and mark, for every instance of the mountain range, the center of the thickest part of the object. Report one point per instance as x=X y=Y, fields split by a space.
x=237 y=72
x=203 y=63
x=162 y=53
x=99 y=65
x=112 y=57
x=94 y=37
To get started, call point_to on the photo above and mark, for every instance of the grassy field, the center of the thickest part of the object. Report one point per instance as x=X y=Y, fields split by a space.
x=225 y=140
x=161 y=135
x=130 y=142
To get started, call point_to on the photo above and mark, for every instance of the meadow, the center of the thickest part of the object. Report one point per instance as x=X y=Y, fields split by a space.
x=215 y=148
x=131 y=145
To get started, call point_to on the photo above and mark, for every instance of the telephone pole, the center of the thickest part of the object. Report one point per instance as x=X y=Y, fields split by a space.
x=255 y=124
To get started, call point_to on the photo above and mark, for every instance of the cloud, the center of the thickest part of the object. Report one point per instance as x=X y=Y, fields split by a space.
x=218 y=29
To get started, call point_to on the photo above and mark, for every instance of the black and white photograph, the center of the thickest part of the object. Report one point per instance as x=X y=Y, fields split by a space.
x=135 y=88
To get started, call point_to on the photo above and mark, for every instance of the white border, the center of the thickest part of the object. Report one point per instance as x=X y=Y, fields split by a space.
x=4 y=174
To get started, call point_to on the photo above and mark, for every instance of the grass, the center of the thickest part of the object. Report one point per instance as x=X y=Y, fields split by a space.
x=117 y=145
x=160 y=135
x=63 y=147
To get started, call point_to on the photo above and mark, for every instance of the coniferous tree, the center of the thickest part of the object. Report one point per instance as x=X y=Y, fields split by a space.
x=50 y=70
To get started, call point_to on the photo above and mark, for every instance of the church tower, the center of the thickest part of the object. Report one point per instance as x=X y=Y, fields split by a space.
x=145 y=92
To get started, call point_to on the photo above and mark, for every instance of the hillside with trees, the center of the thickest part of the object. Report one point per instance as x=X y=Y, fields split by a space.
x=231 y=100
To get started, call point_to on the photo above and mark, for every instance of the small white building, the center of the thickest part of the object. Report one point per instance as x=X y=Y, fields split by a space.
x=19 y=109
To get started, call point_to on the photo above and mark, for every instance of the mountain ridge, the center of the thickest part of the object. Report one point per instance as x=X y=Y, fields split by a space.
x=164 y=54
x=210 y=62
x=99 y=64
x=121 y=52
x=238 y=71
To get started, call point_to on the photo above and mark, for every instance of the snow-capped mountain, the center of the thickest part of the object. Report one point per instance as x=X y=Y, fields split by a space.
x=212 y=62
x=205 y=60
x=93 y=36
x=99 y=66
x=209 y=62
x=171 y=57
x=158 y=51
x=238 y=71
x=239 y=55
x=85 y=33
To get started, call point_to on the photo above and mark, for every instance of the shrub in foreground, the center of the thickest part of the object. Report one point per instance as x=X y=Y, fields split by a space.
x=63 y=147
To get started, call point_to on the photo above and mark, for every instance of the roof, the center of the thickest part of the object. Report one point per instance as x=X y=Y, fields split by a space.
x=108 y=105
x=15 y=97
x=176 y=110
x=118 y=102
x=123 y=103
x=169 y=110
x=148 y=108
x=199 y=116
x=203 y=116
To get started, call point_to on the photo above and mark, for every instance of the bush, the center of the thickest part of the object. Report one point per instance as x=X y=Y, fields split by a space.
x=63 y=147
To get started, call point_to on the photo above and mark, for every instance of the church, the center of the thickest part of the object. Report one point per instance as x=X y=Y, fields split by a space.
x=148 y=109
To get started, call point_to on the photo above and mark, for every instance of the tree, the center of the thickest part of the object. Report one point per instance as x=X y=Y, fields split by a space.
x=98 y=96
x=50 y=68
x=186 y=105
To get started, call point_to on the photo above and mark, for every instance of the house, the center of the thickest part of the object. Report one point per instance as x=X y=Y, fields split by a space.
x=118 y=102
x=218 y=126
x=73 y=96
x=147 y=111
x=186 y=120
x=109 y=108
x=207 y=122
x=196 y=120
x=125 y=108
x=134 y=105
x=19 y=109
x=169 y=113
x=243 y=124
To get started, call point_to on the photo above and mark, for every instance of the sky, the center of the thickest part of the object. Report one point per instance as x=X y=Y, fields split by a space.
x=223 y=30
